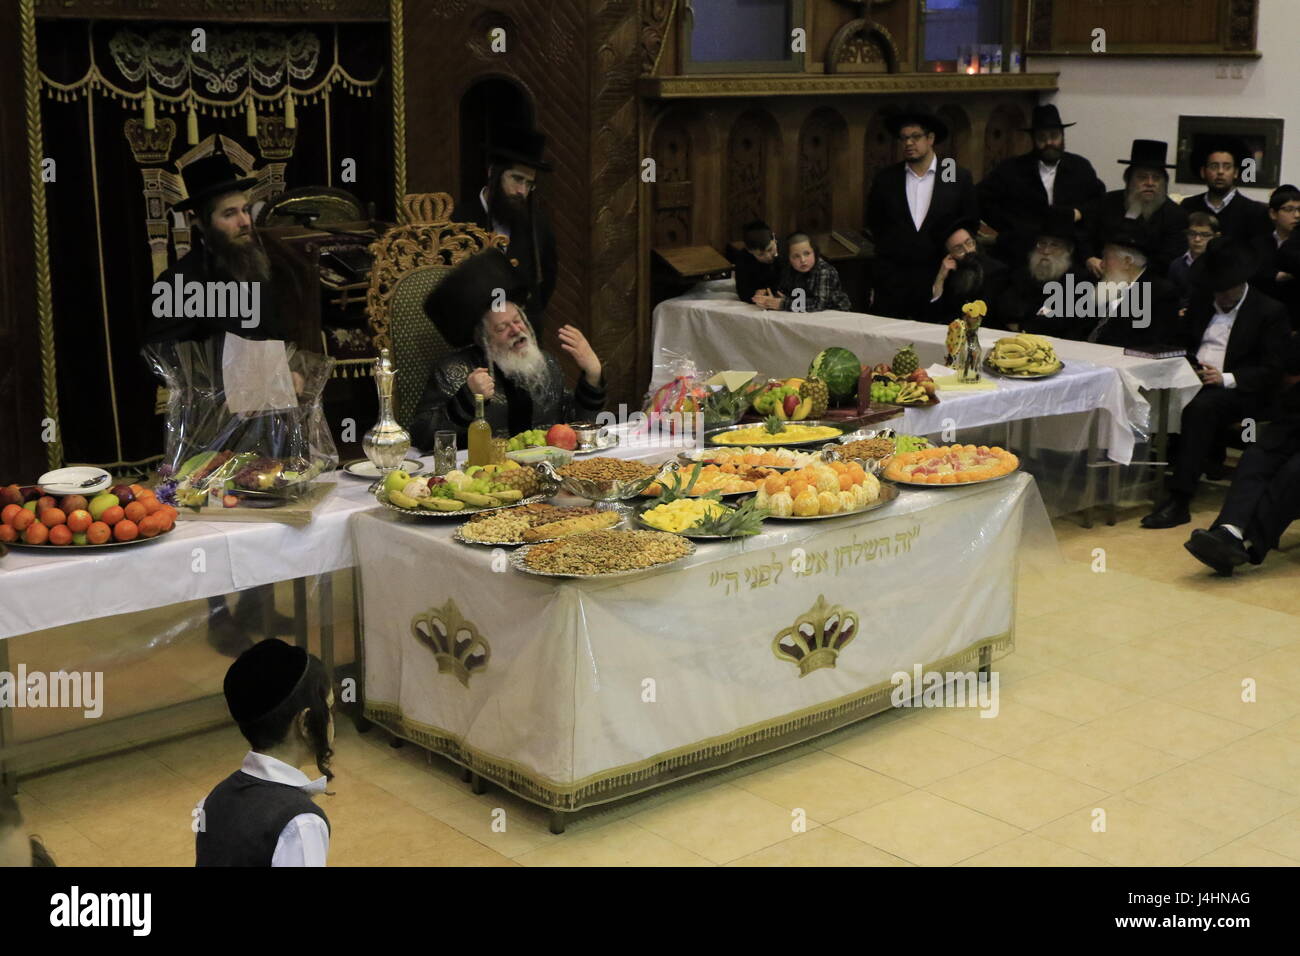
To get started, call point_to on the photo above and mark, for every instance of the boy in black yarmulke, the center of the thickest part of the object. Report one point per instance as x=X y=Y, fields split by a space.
x=263 y=813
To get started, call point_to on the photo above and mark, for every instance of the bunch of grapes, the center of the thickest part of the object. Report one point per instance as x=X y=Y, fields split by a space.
x=885 y=392
x=906 y=443
x=533 y=438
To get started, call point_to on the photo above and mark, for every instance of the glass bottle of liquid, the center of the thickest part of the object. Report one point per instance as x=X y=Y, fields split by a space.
x=480 y=436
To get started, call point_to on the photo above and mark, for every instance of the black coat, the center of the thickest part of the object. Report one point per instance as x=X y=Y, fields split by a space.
x=196 y=266
x=1259 y=344
x=948 y=306
x=1161 y=320
x=526 y=247
x=906 y=257
x=1242 y=218
x=1013 y=201
x=1023 y=298
x=752 y=275
x=1166 y=229
x=1272 y=259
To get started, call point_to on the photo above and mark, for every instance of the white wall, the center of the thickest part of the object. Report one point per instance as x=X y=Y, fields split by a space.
x=1116 y=100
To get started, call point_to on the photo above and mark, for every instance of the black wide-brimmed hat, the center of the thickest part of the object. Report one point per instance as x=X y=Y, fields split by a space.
x=1203 y=146
x=1225 y=263
x=917 y=117
x=1058 y=224
x=518 y=144
x=1046 y=117
x=1151 y=153
x=457 y=304
x=212 y=176
x=1128 y=234
x=263 y=678
x=972 y=226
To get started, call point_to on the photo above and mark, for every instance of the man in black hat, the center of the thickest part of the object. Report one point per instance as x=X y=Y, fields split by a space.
x=909 y=211
x=1145 y=200
x=965 y=274
x=507 y=206
x=1219 y=161
x=1035 y=298
x=1133 y=307
x=479 y=310
x=1238 y=340
x=1016 y=196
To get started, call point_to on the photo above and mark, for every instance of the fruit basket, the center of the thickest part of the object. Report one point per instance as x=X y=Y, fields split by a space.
x=117 y=517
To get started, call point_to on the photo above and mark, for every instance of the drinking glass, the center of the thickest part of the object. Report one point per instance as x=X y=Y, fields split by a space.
x=444 y=452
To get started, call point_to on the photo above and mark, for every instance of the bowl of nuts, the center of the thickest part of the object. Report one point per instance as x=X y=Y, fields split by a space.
x=604 y=479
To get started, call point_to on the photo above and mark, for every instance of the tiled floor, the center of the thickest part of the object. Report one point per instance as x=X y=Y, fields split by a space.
x=1122 y=739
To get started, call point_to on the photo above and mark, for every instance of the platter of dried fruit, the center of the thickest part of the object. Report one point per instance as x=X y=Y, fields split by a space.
x=602 y=554
x=532 y=524
x=601 y=478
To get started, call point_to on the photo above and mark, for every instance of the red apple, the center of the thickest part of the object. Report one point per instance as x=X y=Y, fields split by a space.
x=124 y=494
x=71 y=503
x=11 y=495
x=791 y=405
x=920 y=375
x=562 y=436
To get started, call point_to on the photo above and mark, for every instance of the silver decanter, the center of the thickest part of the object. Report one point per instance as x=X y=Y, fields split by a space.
x=387 y=443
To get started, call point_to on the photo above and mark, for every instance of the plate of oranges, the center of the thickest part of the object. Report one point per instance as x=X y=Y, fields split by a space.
x=120 y=516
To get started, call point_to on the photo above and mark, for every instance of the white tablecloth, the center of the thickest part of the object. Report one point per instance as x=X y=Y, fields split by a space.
x=716 y=330
x=588 y=690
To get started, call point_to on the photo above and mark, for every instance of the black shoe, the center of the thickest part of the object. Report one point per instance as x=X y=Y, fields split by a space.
x=1216 y=472
x=1219 y=548
x=1170 y=514
x=248 y=612
x=225 y=635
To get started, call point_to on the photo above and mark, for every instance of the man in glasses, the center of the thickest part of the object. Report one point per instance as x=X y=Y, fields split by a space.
x=1219 y=163
x=965 y=274
x=910 y=211
x=1034 y=296
x=1201 y=228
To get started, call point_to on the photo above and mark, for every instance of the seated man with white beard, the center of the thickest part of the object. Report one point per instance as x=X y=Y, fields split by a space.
x=1132 y=307
x=1026 y=304
x=476 y=309
x=1145 y=201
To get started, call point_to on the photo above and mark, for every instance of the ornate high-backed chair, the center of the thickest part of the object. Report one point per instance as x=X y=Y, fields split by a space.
x=321 y=204
x=410 y=260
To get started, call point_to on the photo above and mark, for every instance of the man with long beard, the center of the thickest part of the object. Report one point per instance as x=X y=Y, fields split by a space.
x=965 y=274
x=505 y=205
x=1016 y=198
x=1026 y=303
x=477 y=310
x=1132 y=307
x=1145 y=200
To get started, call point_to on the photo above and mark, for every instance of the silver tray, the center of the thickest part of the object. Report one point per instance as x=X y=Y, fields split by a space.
x=65 y=548
x=517 y=562
x=457 y=536
x=602 y=490
x=1028 y=378
x=463 y=513
x=887 y=494
x=951 y=484
x=604 y=444
x=713 y=433
x=693 y=535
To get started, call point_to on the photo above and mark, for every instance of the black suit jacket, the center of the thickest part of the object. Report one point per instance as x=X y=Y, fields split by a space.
x=948 y=306
x=1166 y=229
x=1160 y=320
x=1258 y=345
x=1271 y=259
x=526 y=247
x=1013 y=201
x=1024 y=297
x=1242 y=218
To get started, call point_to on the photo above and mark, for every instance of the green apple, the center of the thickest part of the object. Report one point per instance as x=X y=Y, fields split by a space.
x=396 y=481
x=101 y=503
x=79 y=537
x=30 y=506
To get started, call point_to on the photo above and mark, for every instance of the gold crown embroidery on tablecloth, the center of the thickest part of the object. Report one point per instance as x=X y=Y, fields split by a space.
x=816 y=637
x=457 y=645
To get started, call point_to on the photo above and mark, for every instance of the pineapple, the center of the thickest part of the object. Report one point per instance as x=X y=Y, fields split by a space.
x=735 y=522
x=905 y=362
x=815 y=389
x=774 y=425
x=956 y=342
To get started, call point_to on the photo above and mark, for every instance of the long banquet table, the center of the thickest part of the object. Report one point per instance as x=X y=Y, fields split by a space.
x=572 y=693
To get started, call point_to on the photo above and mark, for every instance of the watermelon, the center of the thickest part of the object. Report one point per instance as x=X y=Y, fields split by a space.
x=839 y=369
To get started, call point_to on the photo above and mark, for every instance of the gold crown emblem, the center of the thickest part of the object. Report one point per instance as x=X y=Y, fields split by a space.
x=150 y=146
x=274 y=139
x=457 y=645
x=816 y=637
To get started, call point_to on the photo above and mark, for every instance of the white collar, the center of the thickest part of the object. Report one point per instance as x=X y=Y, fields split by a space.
x=273 y=770
x=482 y=197
x=1044 y=168
x=1232 y=313
x=1226 y=199
x=1278 y=240
x=934 y=162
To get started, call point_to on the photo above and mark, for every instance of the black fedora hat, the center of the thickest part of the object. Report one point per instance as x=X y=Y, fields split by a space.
x=972 y=226
x=1046 y=116
x=1225 y=263
x=1058 y=224
x=917 y=117
x=456 y=305
x=1128 y=234
x=211 y=176
x=1151 y=153
x=518 y=144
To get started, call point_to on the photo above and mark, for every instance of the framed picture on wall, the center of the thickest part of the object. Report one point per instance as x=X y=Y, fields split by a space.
x=1262 y=137
x=741 y=36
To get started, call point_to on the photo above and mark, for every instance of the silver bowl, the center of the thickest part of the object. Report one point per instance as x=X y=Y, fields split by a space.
x=601 y=491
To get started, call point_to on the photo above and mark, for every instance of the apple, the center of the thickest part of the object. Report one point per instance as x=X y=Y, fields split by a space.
x=71 y=503
x=929 y=386
x=920 y=375
x=124 y=494
x=562 y=436
x=43 y=502
x=11 y=495
x=32 y=492
x=30 y=506
x=396 y=480
x=791 y=405
x=79 y=538
x=101 y=503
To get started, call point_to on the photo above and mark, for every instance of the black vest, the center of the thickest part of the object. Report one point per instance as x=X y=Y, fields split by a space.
x=243 y=817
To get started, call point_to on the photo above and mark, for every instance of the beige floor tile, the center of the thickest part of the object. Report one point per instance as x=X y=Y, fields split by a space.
x=821 y=847
x=1214 y=798
x=1206 y=642
x=402 y=834
x=1171 y=728
x=1017 y=793
x=1243 y=853
x=1269 y=758
x=107 y=783
x=1026 y=661
x=1280 y=836
x=416 y=784
x=827 y=787
x=721 y=824
x=1108 y=762
x=76 y=849
x=916 y=756
x=1031 y=850
x=926 y=829
x=479 y=855
x=1069 y=695
x=1015 y=727
x=1221 y=694
x=1289 y=728
x=619 y=844
x=1133 y=835
x=1138 y=671
x=516 y=829
x=1169 y=605
x=1064 y=637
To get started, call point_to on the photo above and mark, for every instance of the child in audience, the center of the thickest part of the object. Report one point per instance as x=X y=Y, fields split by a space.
x=757 y=268
x=17 y=848
x=1201 y=228
x=263 y=813
x=808 y=283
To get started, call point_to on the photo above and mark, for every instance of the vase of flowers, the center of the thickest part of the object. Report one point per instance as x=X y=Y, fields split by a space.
x=969 y=358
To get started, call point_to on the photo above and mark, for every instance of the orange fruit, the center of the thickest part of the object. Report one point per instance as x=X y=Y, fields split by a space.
x=136 y=489
x=98 y=532
x=149 y=526
x=60 y=534
x=146 y=495
x=43 y=502
x=7 y=515
x=846 y=481
x=36 y=533
x=126 y=530
x=79 y=521
x=151 y=504
x=53 y=516
x=167 y=520
x=7 y=533
x=23 y=520
x=135 y=511
x=797 y=487
x=113 y=515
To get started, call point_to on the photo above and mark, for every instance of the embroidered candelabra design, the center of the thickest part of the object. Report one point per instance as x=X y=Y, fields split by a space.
x=816 y=637
x=457 y=645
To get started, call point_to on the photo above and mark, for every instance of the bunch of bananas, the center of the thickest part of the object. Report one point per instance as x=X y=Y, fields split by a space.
x=1024 y=354
x=912 y=393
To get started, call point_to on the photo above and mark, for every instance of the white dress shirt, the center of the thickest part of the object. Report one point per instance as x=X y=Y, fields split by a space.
x=500 y=228
x=920 y=190
x=1226 y=199
x=1214 y=343
x=305 y=840
x=1048 y=175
